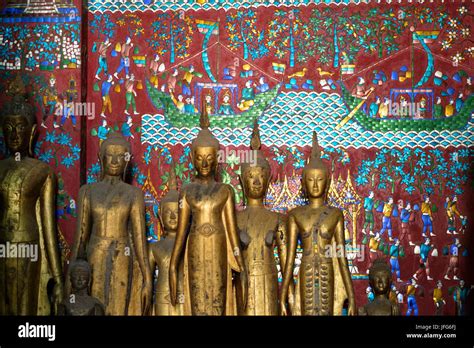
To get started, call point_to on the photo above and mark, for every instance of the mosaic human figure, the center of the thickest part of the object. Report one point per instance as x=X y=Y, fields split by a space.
x=438 y=298
x=125 y=58
x=103 y=47
x=426 y=252
x=427 y=217
x=369 y=214
x=451 y=212
x=387 y=218
x=453 y=266
x=412 y=290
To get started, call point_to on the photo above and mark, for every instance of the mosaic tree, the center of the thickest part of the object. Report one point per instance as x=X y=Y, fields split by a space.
x=172 y=33
x=288 y=34
x=419 y=15
x=377 y=31
x=102 y=25
x=242 y=32
x=336 y=155
x=334 y=34
x=133 y=23
x=425 y=171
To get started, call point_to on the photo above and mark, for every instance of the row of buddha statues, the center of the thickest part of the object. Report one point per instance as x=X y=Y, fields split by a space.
x=211 y=260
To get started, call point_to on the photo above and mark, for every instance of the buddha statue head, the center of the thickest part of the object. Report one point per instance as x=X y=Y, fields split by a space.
x=316 y=178
x=18 y=120
x=169 y=204
x=380 y=277
x=204 y=148
x=114 y=155
x=80 y=275
x=256 y=174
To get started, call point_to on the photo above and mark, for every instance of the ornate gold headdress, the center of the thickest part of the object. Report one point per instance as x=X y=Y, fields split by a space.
x=204 y=137
x=315 y=161
x=255 y=145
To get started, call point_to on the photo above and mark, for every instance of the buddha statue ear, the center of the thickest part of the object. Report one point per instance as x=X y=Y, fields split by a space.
x=270 y=177
x=128 y=158
x=326 y=191
x=216 y=165
x=33 y=134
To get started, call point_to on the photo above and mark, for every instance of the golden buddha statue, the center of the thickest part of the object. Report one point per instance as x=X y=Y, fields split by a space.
x=380 y=280
x=324 y=280
x=260 y=230
x=79 y=303
x=211 y=248
x=111 y=234
x=27 y=216
x=160 y=253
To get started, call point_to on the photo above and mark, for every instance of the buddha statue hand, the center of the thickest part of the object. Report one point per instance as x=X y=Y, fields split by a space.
x=146 y=297
x=283 y=311
x=352 y=310
x=291 y=297
x=245 y=287
x=58 y=294
x=173 y=279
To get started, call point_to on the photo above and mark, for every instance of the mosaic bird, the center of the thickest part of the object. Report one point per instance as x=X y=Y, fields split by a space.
x=324 y=73
x=298 y=73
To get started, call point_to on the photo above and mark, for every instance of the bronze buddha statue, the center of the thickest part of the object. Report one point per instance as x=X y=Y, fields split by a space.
x=260 y=231
x=27 y=216
x=324 y=280
x=111 y=234
x=380 y=280
x=160 y=253
x=211 y=247
x=79 y=303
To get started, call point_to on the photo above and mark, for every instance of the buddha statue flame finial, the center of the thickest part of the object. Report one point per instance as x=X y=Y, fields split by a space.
x=315 y=161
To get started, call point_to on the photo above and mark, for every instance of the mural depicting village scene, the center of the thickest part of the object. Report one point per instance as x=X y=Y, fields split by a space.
x=387 y=87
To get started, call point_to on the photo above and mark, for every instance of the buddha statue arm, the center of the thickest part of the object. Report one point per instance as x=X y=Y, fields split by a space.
x=48 y=220
x=153 y=264
x=344 y=267
x=231 y=224
x=151 y=260
x=282 y=244
x=137 y=217
x=290 y=261
x=184 y=215
x=83 y=230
